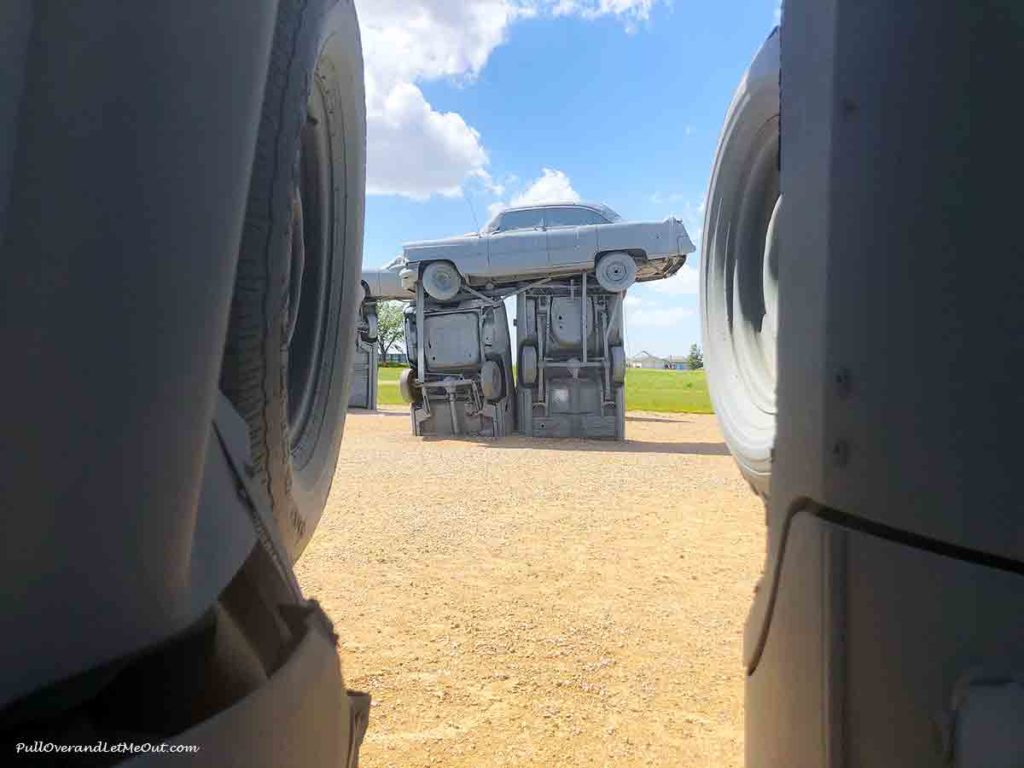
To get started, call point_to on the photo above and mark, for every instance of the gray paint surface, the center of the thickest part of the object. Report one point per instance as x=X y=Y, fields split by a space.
x=563 y=314
x=124 y=298
x=363 y=386
x=499 y=256
x=887 y=628
x=573 y=329
x=448 y=358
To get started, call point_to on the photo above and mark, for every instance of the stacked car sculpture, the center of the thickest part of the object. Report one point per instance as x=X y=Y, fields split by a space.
x=568 y=266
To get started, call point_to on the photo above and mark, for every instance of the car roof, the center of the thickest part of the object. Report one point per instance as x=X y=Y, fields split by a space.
x=604 y=210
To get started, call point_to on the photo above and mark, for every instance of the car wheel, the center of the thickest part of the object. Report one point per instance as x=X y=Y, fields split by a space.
x=289 y=349
x=739 y=269
x=492 y=381
x=407 y=386
x=616 y=272
x=618 y=363
x=441 y=280
x=528 y=365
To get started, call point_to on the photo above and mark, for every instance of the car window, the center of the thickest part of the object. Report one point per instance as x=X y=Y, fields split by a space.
x=529 y=219
x=573 y=217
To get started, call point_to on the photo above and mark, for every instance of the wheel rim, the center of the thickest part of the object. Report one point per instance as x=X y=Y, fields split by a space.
x=441 y=281
x=614 y=273
x=741 y=295
x=311 y=217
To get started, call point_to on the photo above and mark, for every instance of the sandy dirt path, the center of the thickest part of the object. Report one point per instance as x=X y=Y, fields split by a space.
x=541 y=603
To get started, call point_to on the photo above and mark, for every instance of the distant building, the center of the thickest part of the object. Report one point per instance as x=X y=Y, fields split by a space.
x=653 y=362
x=646 y=360
x=394 y=357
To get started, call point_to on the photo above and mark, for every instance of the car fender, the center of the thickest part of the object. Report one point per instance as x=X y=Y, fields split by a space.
x=656 y=240
x=468 y=254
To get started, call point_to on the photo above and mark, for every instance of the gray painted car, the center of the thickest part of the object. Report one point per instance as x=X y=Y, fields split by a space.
x=385 y=283
x=539 y=241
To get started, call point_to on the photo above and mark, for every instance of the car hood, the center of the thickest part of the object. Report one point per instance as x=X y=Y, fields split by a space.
x=470 y=238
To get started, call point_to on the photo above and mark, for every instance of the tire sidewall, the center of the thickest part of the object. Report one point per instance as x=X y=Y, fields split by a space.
x=311 y=464
x=754 y=106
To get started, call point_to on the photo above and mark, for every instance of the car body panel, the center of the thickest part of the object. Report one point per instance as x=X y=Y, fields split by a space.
x=497 y=256
x=467 y=252
x=519 y=251
x=386 y=283
x=658 y=240
x=573 y=246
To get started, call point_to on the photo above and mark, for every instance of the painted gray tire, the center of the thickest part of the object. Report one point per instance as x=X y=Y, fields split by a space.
x=441 y=280
x=616 y=272
x=528 y=365
x=288 y=356
x=492 y=381
x=407 y=386
x=371 y=326
x=739 y=269
x=618 y=363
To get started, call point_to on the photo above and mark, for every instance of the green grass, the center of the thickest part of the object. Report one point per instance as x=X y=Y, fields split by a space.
x=667 y=391
x=662 y=391
x=387 y=386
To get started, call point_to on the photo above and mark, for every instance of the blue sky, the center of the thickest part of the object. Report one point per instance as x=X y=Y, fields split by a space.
x=477 y=103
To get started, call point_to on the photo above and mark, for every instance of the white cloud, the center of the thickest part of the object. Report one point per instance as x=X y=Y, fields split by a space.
x=631 y=11
x=552 y=186
x=685 y=282
x=414 y=150
x=417 y=151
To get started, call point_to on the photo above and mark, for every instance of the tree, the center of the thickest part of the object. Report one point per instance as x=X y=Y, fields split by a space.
x=390 y=326
x=695 y=360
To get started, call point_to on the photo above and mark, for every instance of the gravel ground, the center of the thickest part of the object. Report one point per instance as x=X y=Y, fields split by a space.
x=541 y=602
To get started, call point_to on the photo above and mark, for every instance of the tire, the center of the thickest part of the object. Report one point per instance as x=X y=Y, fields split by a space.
x=618 y=363
x=616 y=272
x=286 y=365
x=407 y=386
x=528 y=365
x=492 y=381
x=441 y=280
x=371 y=327
x=739 y=269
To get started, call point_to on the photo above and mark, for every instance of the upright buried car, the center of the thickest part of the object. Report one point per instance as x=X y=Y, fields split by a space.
x=546 y=241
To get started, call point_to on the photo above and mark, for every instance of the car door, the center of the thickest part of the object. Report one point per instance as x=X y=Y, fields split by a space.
x=572 y=236
x=518 y=246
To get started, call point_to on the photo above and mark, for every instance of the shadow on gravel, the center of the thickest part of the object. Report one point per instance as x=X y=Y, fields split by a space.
x=658 y=420
x=602 y=446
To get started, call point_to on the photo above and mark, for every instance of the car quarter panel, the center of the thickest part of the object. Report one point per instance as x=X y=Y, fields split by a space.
x=655 y=239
